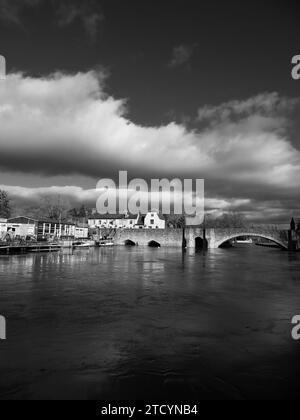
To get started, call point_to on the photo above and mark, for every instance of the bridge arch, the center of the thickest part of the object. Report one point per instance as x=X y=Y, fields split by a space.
x=154 y=244
x=269 y=237
x=129 y=242
x=200 y=243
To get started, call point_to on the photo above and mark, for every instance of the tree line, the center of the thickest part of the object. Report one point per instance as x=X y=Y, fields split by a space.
x=224 y=221
x=48 y=208
x=58 y=209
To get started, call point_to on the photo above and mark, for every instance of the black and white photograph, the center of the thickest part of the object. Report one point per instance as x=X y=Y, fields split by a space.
x=149 y=203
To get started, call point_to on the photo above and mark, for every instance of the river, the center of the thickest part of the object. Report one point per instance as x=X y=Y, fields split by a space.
x=139 y=323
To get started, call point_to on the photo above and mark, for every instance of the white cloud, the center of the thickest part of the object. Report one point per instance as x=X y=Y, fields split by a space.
x=267 y=104
x=75 y=194
x=66 y=124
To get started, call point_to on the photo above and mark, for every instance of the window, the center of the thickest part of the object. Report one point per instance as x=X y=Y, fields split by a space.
x=152 y=221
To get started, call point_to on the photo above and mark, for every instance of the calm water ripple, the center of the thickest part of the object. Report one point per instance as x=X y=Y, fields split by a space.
x=150 y=323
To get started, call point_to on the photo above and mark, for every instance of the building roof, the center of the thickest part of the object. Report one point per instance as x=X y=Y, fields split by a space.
x=107 y=217
x=113 y=217
x=56 y=222
x=31 y=220
x=161 y=217
x=82 y=225
x=140 y=218
x=22 y=220
x=131 y=216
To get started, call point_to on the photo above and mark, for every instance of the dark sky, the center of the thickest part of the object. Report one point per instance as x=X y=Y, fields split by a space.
x=239 y=49
x=207 y=80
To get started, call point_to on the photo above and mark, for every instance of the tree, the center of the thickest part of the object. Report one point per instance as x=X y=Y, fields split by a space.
x=175 y=221
x=227 y=220
x=5 y=209
x=78 y=213
x=50 y=208
x=56 y=208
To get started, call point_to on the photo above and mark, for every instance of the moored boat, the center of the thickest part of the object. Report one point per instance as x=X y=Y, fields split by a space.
x=244 y=241
x=83 y=244
x=106 y=242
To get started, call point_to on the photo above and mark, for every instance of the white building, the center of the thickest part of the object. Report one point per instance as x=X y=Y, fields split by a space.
x=130 y=221
x=3 y=227
x=21 y=227
x=118 y=221
x=53 y=230
x=25 y=226
x=81 y=232
x=153 y=220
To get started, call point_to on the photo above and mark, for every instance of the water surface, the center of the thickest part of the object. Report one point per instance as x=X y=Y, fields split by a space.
x=139 y=323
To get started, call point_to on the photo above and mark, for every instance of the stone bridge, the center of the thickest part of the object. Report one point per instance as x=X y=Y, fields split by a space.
x=144 y=237
x=193 y=237
x=214 y=238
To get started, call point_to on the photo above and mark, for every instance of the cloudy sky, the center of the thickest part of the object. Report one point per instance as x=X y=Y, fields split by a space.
x=172 y=88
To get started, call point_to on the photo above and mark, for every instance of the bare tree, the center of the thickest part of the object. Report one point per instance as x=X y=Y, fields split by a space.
x=5 y=208
x=227 y=220
x=56 y=208
x=50 y=208
x=175 y=221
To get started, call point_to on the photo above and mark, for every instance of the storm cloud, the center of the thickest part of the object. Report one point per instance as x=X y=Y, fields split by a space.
x=66 y=12
x=67 y=124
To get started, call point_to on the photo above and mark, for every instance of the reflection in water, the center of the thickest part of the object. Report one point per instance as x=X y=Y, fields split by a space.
x=150 y=323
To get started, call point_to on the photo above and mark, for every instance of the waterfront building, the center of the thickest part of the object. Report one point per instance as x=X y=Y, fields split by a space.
x=24 y=227
x=55 y=230
x=140 y=224
x=153 y=220
x=114 y=221
x=81 y=232
x=3 y=228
